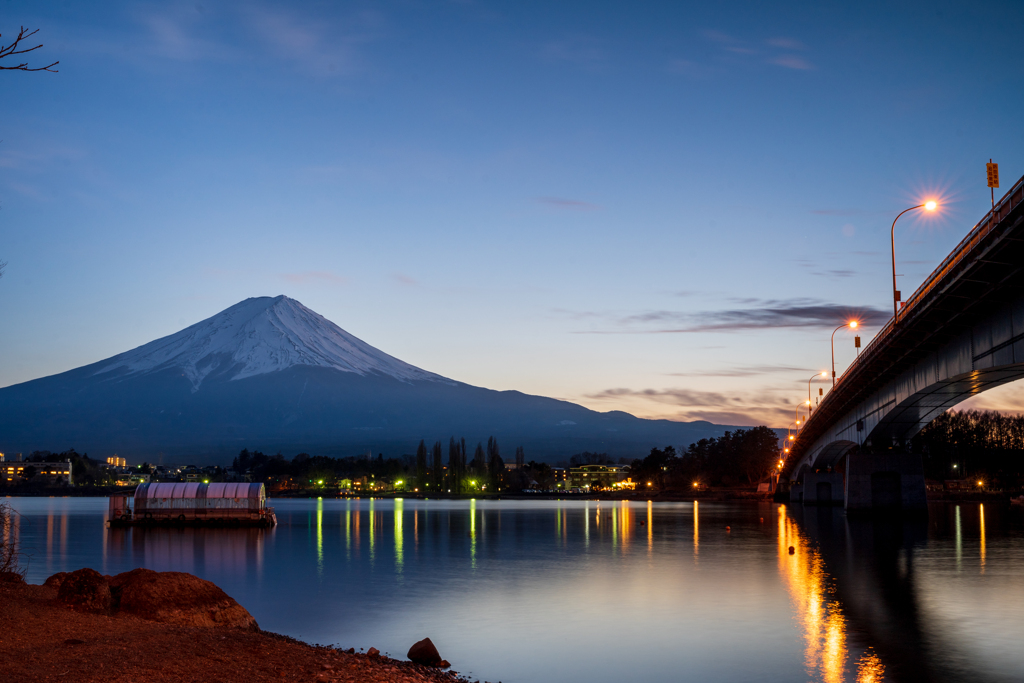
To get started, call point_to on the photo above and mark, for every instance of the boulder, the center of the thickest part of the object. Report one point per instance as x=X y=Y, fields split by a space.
x=424 y=652
x=55 y=581
x=85 y=590
x=373 y=652
x=179 y=598
x=11 y=577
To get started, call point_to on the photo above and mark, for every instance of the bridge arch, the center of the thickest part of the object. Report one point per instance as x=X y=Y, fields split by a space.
x=904 y=420
x=831 y=456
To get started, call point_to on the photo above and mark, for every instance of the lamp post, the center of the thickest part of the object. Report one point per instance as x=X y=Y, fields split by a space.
x=927 y=206
x=852 y=325
x=823 y=373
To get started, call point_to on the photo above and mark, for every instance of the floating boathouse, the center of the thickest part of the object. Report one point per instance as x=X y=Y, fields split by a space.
x=222 y=504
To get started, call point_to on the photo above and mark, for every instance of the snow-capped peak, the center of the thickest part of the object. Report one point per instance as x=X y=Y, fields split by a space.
x=259 y=336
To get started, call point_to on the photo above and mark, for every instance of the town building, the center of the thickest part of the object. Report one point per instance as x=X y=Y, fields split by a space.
x=561 y=475
x=47 y=473
x=115 y=461
x=598 y=476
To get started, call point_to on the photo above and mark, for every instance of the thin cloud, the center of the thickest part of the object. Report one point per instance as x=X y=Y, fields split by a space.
x=792 y=62
x=316 y=48
x=176 y=37
x=786 y=43
x=315 y=277
x=569 y=204
x=677 y=397
x=706 y=405
x=405 y=280
x=762 y=315
x=838 y=272
x=747 y=371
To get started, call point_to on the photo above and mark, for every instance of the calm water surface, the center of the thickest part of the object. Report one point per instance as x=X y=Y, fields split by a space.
x=596 y=592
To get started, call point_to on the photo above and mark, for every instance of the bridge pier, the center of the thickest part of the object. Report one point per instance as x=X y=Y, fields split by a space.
x=796 y=492
x=823 y=488
x=888 y=480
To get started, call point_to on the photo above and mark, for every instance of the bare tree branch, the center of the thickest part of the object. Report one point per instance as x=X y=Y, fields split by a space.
x=10 y=543
x=12 y=49
x=3 y=264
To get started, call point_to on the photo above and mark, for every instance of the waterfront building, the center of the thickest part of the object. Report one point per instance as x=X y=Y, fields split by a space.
x=115 y=461
x=47 y=473
x=561 y=475
x=598 y=476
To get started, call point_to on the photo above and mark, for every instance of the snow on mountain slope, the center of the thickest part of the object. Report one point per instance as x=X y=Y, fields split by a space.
x=259 y=336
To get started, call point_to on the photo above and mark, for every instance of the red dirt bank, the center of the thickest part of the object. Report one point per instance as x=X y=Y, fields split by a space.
x=42 y=639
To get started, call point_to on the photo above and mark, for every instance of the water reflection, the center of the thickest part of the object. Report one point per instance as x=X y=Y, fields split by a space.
x=856 y=601
x=320 y=536
x=399 y=558
x=229 y=551
x=981 y=514
x=823 y=623
x=850 y=575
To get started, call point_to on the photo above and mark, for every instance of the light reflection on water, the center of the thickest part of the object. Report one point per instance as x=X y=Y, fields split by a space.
x=600 y=590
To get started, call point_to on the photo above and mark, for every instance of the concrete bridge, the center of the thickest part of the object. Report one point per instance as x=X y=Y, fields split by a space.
x=961 y=333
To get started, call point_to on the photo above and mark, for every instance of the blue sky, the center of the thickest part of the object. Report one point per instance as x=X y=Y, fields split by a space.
x=655 y=207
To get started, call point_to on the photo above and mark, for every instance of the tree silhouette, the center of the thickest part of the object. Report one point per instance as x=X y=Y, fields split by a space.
x=13 y=49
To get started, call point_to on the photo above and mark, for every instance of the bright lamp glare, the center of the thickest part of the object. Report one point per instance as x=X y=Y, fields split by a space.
x=853 y=323
x=930 y=206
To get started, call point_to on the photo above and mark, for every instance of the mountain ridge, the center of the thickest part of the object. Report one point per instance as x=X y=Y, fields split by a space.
x=270 y=374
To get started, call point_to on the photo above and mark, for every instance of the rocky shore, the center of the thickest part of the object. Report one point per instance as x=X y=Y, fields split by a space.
x=166 y=627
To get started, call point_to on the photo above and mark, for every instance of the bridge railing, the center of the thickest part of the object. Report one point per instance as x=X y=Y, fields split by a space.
x=1007 y=203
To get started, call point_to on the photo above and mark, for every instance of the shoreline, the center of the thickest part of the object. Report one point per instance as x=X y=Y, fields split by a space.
x=43 y=639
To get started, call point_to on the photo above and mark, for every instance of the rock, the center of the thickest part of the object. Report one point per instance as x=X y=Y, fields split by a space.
x=179 y=598
x=56 y=580
x=424 y=652
x=85 y=590
x=11 y=577
x=443 y=664
x=373 y=652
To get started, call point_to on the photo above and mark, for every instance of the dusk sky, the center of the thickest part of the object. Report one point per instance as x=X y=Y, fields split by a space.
x=664 y=208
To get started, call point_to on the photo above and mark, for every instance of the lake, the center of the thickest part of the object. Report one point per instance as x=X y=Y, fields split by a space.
x=604 y=591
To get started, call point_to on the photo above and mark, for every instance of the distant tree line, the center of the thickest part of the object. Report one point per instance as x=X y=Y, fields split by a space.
x=744 y=456
x=973 y=444
x=426 y=471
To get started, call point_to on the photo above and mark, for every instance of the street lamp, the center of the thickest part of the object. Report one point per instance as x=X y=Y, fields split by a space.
x=823 y=373
x=852 y=325
x=927 y=206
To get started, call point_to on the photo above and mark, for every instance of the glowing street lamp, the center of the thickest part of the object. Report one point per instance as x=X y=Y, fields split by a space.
x=852 y=325
x=823 y=373
x=929 y=205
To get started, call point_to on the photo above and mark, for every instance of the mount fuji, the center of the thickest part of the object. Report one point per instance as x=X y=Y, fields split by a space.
x=270 y=374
